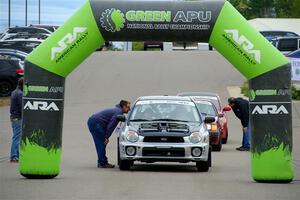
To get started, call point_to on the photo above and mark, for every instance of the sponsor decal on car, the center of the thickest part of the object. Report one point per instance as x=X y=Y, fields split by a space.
x=268 y=92
x=68 y=43
x=269 y=109
x=243 y=45
x=143 y=102
x=114 y=20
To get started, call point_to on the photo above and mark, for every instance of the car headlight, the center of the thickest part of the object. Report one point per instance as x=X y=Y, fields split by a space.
x=132 y=136
x=195 y=137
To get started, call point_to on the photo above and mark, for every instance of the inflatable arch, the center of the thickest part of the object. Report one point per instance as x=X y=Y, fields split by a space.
x=216 y=22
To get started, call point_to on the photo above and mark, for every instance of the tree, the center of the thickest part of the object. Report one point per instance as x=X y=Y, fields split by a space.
x=287 y=8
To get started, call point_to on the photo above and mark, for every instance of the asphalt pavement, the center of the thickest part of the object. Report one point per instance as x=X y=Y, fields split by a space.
x=100 y=82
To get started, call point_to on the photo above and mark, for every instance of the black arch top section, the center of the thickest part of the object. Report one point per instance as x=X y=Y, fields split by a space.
x=158 y=21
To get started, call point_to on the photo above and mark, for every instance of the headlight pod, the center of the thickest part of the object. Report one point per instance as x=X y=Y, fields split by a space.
x=195 y=137
x=132 y=136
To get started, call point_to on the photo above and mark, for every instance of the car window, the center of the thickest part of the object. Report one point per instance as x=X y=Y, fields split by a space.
x=12 y=56
x=8 y=65
x=165 y=110
x=287 y=44
x=206 y=108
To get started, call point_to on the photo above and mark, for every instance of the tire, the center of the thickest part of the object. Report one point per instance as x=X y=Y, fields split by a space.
x=218 y=147
x=6 y=87
x=224 y=140
x=203 y=166
x=125 y=164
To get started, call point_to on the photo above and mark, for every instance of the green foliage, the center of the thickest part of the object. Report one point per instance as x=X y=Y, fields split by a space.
x=244 y=89
x=138 y=46
x=267 y=8
x=287 y=8
x=295 y=93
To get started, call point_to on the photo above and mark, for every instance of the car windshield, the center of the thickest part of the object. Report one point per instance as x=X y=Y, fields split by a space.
x=213 y=99
x=206 y=108
x=165 y=110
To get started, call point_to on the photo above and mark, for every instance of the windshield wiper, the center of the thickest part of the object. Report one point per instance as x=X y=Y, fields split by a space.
x=139 y=120
x=171 y=120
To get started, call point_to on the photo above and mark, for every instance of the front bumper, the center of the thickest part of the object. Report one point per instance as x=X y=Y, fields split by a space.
x=167 y=152
x=214 y=137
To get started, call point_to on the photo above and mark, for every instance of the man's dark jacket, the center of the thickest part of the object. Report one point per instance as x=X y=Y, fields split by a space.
x=241 y=110
x=16 y=104
x=108 y=119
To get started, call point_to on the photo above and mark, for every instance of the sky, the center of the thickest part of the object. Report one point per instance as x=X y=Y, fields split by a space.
x=52 y=12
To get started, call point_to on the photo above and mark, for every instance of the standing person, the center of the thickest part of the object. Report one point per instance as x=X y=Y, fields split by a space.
x=240 y=108
x=102 y=125
x=16 y=120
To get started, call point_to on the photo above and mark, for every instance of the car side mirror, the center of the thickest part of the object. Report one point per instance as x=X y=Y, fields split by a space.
x=227 y=108
x=209 y=120
x=121 y=118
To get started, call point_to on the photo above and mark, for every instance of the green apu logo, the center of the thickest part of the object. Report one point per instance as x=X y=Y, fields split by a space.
x=42 y=89
x=32 y=88
x=268 y=92
x=112 y=20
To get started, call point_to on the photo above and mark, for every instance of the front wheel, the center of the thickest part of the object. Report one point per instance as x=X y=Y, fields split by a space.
x=6 y=88
x=125 y=164
x=203 y=166
x=224 y=140
x=218 y=147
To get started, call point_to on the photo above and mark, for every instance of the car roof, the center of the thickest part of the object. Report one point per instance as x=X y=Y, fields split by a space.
x=172 y=98
x=12 y=51
x=287 y=37
x=211 y=94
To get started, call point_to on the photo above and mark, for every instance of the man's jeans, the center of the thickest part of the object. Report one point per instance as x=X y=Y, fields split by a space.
x=246 y=138
x=98 y=134
x=16 y=125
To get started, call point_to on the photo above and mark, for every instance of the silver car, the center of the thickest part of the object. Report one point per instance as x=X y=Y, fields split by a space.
x=164 y=129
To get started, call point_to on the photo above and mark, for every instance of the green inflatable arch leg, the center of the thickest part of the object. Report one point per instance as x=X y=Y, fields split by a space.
x=216 y=22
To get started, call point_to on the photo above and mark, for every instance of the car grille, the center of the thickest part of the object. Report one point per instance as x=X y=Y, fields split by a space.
x=162 y=139
x=171 y=152
x=168 y=127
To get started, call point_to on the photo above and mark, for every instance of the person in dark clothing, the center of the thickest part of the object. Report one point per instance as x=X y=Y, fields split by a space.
x=101 y=125
x=240 y=108
x=16 y=120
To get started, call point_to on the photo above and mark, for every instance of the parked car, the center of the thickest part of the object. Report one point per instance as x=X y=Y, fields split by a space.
x=287 y=44
x=208 y=109
x=271 y=34
x=153 y=44
x=51 y=28
x=13 y=54
x=164 y=128
x=28 y=30
x=215 y=99
x=23 y=45
x=25 y=36
x=10 y=72
x=294 y=54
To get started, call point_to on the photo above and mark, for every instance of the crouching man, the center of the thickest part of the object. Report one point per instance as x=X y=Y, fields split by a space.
x=102 y=125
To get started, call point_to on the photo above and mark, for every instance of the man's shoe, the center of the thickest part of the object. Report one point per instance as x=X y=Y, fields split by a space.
x=106 y=166
x=238 y=148
x=243 y=149
x=14 y=161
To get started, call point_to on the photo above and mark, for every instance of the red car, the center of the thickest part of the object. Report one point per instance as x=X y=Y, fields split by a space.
x=215 y=99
